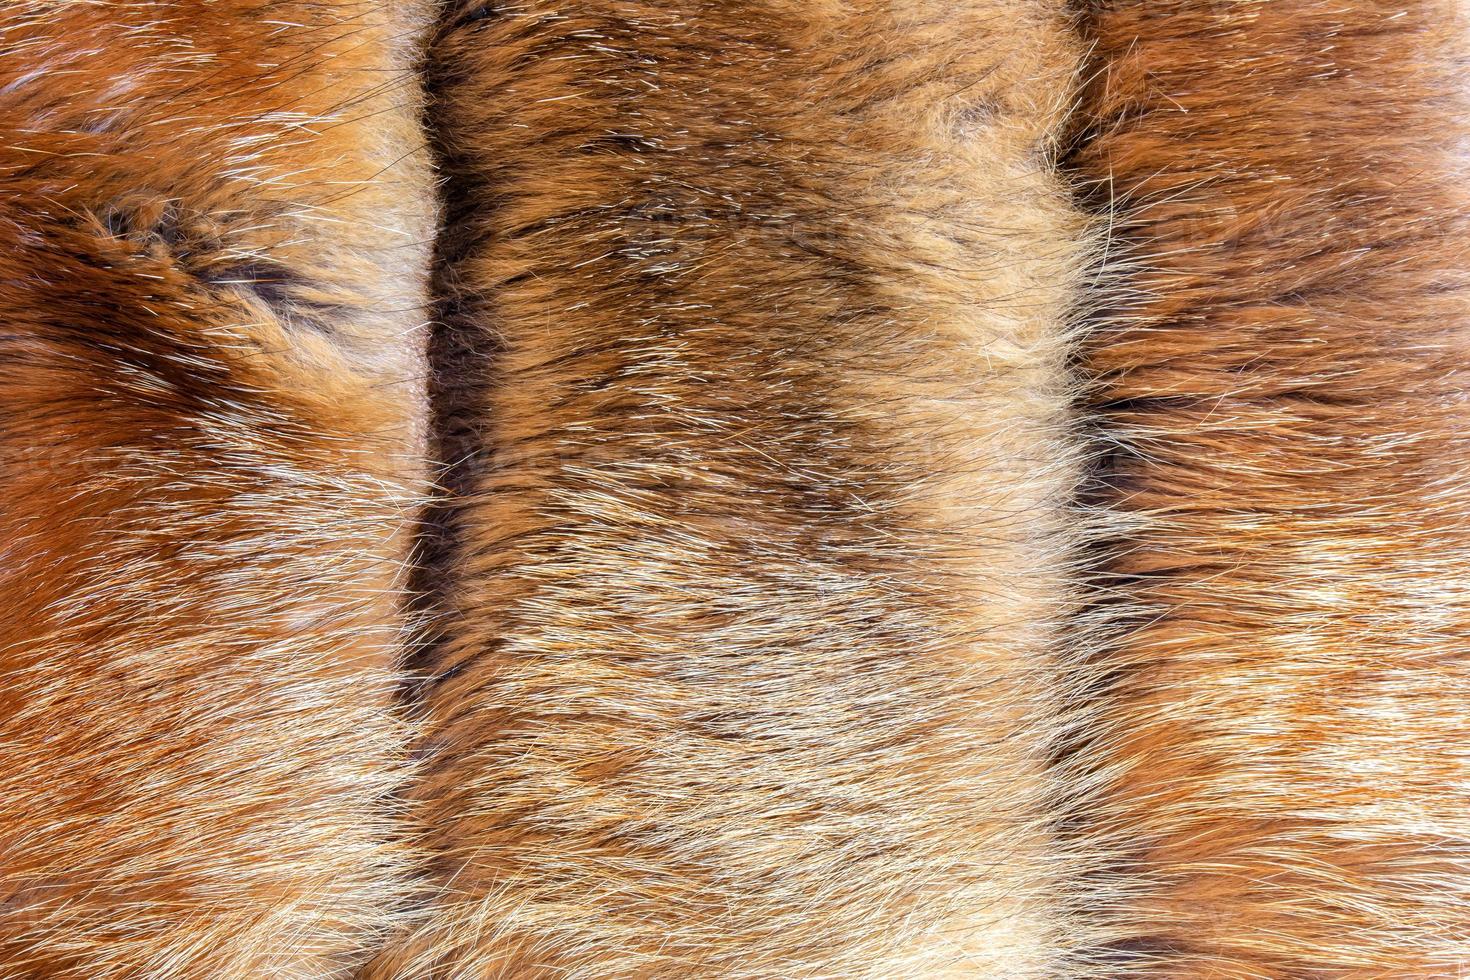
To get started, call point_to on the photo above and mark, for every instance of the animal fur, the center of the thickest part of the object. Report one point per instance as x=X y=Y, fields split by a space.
x=766 y=637
x=213 y=228
x=756 y=645
x=1286 y=741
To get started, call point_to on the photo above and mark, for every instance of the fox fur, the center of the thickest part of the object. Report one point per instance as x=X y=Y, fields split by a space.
x=894 y=489
x=757 y=633
x=214 y=228
x=1281 y=378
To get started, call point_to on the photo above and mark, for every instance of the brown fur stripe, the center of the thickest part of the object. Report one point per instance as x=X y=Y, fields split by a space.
x=759 y=654
x=1287 y=384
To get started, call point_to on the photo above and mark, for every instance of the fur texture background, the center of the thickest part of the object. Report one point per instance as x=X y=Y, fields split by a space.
x=213 y=227
x=775 y=630
x=755 y=659
x=1286 y=386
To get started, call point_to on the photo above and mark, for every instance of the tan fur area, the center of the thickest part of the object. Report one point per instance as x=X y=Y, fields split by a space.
x=756 y=658
x=1286 y=386
x=213 y=227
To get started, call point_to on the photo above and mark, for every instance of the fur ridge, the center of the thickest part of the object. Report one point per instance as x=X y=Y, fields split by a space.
x=757 y=626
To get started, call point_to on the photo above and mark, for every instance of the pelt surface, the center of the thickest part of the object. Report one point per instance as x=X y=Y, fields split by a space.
x=1283 y=377
x=891 y=489
x=214 y=221
x=755 y=653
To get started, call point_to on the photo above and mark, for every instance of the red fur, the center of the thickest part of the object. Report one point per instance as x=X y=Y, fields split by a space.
x=767 y=639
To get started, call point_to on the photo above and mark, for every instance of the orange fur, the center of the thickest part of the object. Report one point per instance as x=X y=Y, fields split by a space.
x=1286 y=737
x=766 y=639
x=756 y=654
x=212 y=230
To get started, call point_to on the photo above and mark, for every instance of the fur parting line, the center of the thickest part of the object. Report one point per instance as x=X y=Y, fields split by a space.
x=213 y=220
x=1288 y=738
x=757 y=647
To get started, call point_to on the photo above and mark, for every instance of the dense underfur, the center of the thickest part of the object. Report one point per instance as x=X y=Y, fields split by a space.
x=1286 y=384
x=212 y=228
x=756 y=660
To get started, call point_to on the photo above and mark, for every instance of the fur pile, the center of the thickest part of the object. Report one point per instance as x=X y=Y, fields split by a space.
x=896 y=489
x=1283 y=392
x=213 y=228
